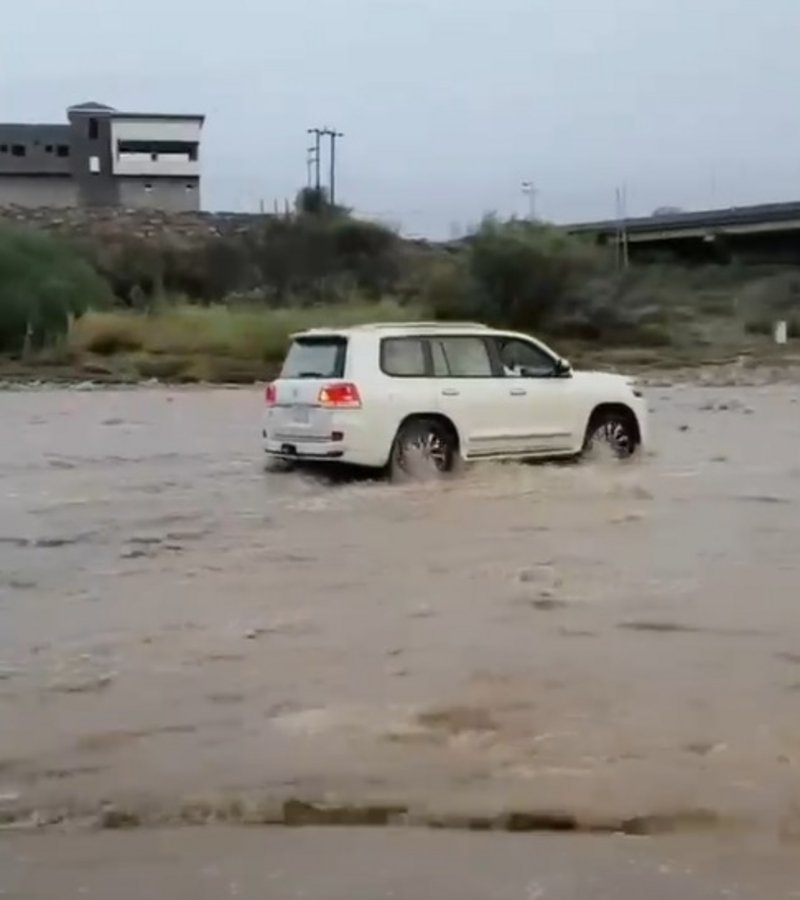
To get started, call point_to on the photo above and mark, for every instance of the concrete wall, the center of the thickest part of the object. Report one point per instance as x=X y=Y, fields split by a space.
x=34 y=149
x=92 y=160
x=56 y=192
x=155 y=131
x=168 y=194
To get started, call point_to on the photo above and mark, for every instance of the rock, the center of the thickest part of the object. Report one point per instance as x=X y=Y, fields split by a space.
x=252 y=633
x=19 y=584
x=136 y=553
x=82 y=684
x=549 y=604
x=422 y=612
x=93 y=367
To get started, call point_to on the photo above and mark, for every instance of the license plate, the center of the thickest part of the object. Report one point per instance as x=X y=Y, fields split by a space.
x=300 y=414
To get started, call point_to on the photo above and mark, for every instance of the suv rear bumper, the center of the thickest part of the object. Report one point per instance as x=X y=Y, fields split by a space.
x=347 y=441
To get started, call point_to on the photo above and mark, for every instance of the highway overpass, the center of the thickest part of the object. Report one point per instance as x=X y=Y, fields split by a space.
x=767 y=232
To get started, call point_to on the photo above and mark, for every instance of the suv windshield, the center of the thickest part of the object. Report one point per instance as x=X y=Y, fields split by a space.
x=315 y=358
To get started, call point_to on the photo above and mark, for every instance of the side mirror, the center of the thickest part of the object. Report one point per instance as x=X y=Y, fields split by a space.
x=563 y=368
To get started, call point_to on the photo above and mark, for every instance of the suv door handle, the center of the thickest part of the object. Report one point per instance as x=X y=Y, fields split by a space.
x=450 y=392
x=518 y=392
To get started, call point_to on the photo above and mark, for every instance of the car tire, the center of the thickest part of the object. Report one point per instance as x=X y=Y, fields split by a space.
x=614 y=430
x=423 y=448
x=276 y=465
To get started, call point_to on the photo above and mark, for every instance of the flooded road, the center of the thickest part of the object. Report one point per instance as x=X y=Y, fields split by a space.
x=185 y=637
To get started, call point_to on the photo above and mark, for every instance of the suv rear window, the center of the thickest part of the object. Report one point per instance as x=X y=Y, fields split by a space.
x=315 y=357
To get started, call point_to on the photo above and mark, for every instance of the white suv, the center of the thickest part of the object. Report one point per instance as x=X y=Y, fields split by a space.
x=378 y=395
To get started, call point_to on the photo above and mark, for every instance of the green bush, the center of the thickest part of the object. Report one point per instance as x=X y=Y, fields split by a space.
x=450 y=291
x=43 y=285
x=307 y=257
x=515 y=273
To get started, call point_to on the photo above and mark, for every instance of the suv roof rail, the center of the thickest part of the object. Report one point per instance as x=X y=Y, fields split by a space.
x=377 y=326
x=422 y=324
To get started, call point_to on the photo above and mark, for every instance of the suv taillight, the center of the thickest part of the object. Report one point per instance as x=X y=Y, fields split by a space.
x=271 y=395
x=341 y=395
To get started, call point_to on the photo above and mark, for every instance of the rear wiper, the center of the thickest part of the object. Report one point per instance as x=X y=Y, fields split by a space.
x=310 y=375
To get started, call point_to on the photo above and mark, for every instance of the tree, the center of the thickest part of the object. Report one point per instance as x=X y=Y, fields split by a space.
x=43 y=284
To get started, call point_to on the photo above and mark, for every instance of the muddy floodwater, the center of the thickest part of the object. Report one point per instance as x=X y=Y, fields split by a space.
x=183 y=635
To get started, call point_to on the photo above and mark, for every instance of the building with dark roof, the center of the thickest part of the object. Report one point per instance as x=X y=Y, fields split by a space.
x=103 y=157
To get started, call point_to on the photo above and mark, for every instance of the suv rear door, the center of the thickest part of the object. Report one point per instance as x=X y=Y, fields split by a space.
x=313 y=361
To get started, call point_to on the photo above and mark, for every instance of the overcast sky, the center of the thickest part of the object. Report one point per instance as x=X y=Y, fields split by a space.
x=447 y=105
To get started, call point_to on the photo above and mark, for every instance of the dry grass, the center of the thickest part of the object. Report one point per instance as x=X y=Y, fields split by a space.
x=192 y=343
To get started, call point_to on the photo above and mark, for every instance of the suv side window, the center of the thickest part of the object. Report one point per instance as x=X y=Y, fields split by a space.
x=522 y=358
x=464 y=357
x=403 y=357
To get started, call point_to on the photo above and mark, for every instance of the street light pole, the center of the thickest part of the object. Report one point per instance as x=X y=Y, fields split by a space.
x=529 y=189
x=311 y=156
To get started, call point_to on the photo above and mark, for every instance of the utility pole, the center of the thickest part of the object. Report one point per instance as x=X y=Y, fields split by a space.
x=529 y=189
x=333 y=134
x=623 y=258
x=317 y=132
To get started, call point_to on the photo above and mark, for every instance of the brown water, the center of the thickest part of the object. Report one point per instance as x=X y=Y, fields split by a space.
x=387 y=864
x=179 y=629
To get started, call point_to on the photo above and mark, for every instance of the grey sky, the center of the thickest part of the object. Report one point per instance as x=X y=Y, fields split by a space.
x=447 y=105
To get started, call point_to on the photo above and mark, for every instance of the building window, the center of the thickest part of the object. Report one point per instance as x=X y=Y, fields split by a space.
x=19 y=150
x=3 y=148
x=48 y=148
x=94 y=165
x=62 y=150
x=94 y=129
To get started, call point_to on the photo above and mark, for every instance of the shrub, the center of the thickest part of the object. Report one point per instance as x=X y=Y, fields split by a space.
x=43 y=285
x=109 y=333
x=521 y=271
x=449 y=290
